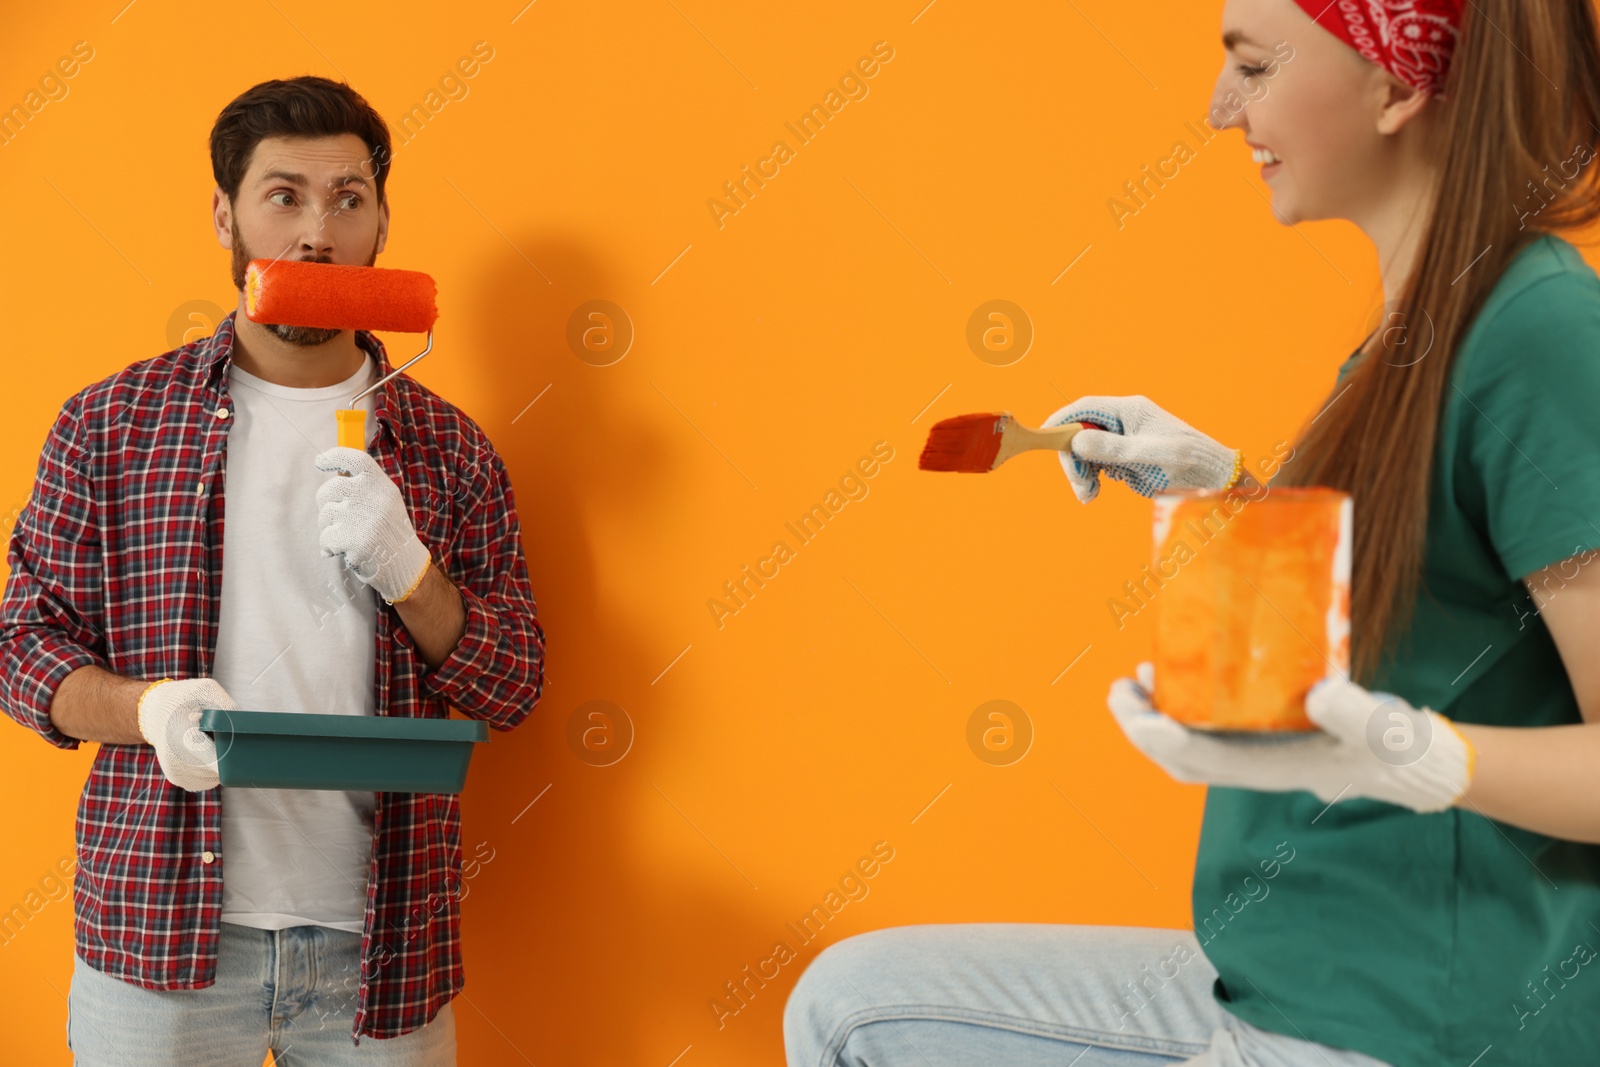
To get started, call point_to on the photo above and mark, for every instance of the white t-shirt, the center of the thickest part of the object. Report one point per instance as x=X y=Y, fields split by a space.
x=297 y=633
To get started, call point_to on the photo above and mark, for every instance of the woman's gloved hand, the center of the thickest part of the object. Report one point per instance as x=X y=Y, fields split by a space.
x=1371 y=745
x=169 y=718
x=1144 y=446
x=363 y=517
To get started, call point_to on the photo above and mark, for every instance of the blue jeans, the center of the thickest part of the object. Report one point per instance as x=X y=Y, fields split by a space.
x=1027 y=996
x=291 y=990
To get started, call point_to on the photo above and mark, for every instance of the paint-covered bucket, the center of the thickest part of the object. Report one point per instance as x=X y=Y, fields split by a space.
x=1252 y=603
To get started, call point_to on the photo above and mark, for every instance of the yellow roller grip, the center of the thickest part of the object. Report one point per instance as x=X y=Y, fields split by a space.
x=352 y=428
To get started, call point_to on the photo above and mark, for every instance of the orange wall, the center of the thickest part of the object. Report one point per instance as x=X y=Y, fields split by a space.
x=828 y=314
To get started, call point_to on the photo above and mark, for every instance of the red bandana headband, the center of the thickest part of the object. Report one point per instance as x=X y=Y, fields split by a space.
x=1412 y=39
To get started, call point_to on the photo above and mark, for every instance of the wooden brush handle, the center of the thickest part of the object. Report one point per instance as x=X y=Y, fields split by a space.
x=1056 y=438
x=1020 y=438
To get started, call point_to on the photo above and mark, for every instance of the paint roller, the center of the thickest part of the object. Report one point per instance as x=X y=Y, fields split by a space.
x=341 y=296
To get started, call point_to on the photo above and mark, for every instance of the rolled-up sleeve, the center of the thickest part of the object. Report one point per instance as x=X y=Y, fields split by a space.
x=51 y=620
x=496 y=672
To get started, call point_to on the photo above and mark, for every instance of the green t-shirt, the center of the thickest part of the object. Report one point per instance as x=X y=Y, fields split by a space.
x=1426 y=939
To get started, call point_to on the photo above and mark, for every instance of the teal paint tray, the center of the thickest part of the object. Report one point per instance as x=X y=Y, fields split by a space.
x=293 y=750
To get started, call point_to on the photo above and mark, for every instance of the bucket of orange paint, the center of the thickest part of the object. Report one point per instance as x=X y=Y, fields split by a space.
x=1253 y=606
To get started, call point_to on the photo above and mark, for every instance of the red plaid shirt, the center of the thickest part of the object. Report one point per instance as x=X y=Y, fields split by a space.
x=116 y=561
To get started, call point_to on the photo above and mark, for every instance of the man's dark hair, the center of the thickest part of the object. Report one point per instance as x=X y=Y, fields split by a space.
x=307 y=106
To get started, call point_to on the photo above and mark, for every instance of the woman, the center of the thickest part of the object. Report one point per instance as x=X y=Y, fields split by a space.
x=1432 y=902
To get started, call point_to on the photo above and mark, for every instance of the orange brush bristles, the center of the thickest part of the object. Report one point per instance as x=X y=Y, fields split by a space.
x=963 y=443
x=339 y=296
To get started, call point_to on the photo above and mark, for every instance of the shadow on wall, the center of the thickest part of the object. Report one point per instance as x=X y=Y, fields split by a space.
x=568 y=923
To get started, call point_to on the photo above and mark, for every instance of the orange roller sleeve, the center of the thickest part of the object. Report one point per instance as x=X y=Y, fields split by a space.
x=338 y=296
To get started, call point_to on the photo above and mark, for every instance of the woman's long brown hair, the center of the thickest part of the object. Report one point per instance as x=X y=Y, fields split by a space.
x=1522 y=95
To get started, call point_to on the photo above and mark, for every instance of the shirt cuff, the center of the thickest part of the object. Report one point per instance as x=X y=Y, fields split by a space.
x=469 y=678
x=49 y=659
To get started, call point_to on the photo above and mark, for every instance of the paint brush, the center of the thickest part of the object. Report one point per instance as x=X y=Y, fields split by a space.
x=977 y=444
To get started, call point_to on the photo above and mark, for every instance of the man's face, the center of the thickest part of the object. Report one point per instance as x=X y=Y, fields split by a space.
x=307 y=199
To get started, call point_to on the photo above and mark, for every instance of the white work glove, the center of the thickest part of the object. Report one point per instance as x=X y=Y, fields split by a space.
x=1370 y=744
x=169 y=718
x=1142 y=445
x=363 y=518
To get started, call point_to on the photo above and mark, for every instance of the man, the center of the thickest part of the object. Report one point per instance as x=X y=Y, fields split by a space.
x=213 y=924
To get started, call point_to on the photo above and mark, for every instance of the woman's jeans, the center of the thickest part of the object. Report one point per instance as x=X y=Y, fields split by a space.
x=1027 y=996
x=291 y=990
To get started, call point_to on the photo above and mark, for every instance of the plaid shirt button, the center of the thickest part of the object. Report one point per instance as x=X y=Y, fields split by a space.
x=222 y=413
x=207 y=856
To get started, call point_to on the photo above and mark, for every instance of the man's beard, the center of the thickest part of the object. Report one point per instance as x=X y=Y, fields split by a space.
x=304 y=336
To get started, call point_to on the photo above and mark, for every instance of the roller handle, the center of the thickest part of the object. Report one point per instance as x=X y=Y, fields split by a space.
x=352 y=429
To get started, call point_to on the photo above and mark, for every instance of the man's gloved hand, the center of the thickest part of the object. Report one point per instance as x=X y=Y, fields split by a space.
x=169 y=718
x=363 y=518
x=1371 y=745
x=1143 y=446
